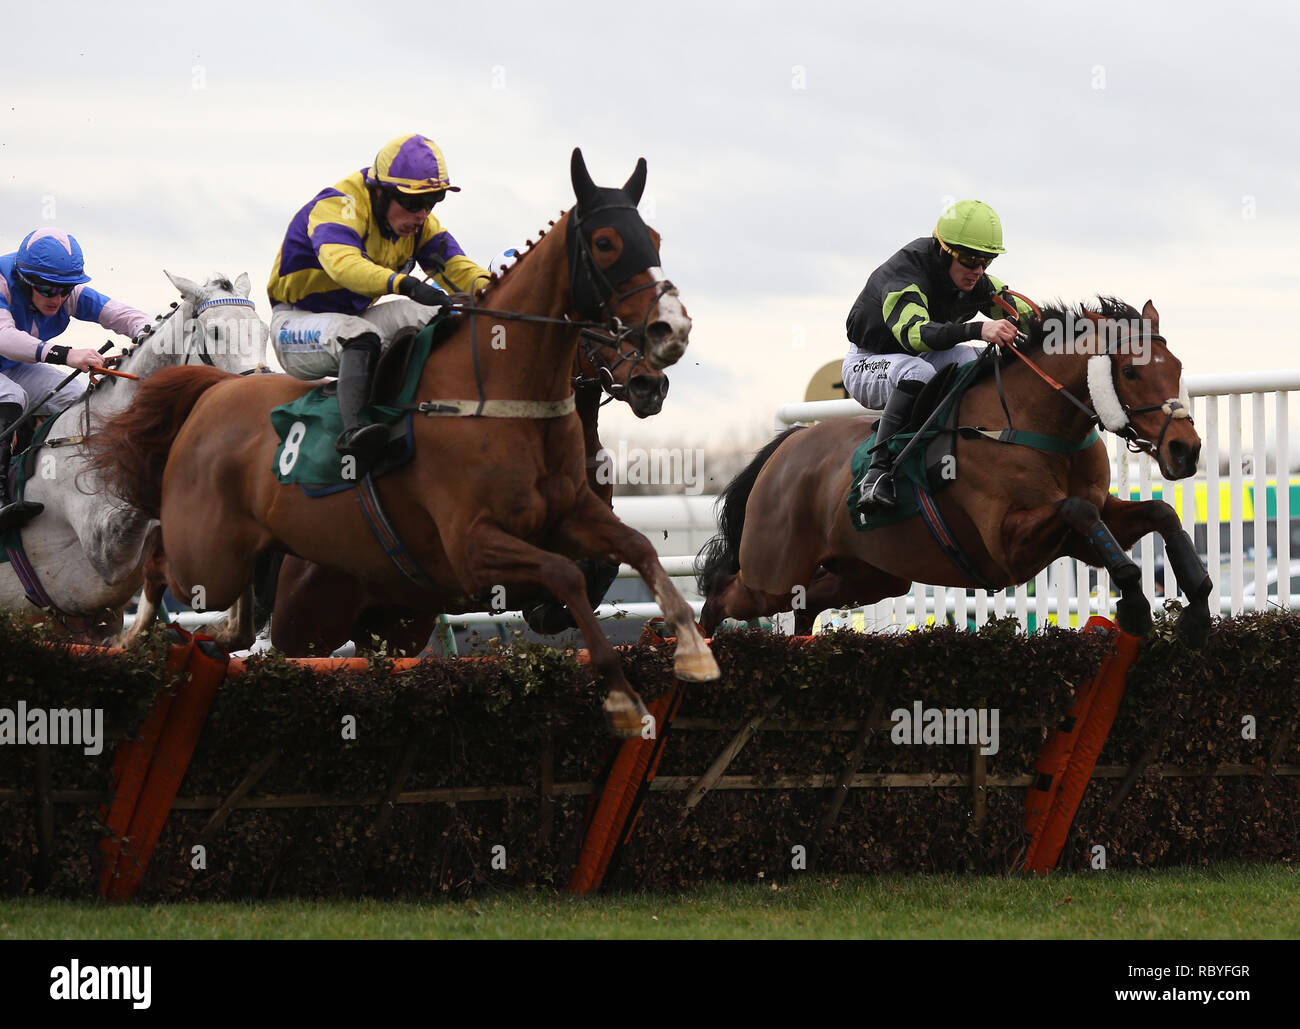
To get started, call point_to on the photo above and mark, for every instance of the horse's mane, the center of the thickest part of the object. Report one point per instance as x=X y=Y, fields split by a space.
x=1057 y=313
x=529 y=246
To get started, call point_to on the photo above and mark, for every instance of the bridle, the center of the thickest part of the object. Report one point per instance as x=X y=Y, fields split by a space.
x=1175 y=408
x=592 y=288
x=591 y=292
x=592 y=344
x=194 y=330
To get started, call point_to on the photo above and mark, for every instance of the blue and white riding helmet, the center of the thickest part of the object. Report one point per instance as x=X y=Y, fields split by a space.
x=51 y=255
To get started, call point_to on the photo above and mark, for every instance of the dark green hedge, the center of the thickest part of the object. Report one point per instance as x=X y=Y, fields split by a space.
x=487 y=723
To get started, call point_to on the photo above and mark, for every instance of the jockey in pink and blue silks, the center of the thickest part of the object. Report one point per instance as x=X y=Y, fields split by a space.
x=42 y=288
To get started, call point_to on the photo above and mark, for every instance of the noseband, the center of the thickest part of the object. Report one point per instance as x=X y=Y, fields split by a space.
x=1175 y=409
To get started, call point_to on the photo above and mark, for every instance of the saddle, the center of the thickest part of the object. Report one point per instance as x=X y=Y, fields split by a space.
x=308 y=427
x=931 y=464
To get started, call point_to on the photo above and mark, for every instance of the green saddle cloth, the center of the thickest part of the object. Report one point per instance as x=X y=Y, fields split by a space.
x=912 y=472
x=915 y=472
x=309 y=426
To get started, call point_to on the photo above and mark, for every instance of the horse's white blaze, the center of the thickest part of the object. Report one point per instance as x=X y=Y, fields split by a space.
x=670 y=312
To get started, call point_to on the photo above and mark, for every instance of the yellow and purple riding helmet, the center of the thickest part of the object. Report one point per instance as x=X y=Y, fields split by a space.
x=410 y=164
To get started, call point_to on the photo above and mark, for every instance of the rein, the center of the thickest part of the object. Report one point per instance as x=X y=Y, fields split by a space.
x=1174 y=407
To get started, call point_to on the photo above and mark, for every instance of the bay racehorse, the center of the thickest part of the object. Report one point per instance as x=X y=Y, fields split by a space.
x=318 y=609
x=497 y=492
x=86 y=550
x=787 y=540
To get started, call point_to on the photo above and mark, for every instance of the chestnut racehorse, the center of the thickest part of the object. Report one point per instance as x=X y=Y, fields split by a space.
x=787 y=540
x=318 y=609
x=497 y=491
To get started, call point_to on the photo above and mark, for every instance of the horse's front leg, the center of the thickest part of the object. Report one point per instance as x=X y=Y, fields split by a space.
x=487 y=556
x=155 y=584
x=1133 y=610
x=594 y=529
x=1130 y=520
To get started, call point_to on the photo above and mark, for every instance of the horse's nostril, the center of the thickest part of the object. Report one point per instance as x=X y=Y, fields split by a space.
x=657 y=332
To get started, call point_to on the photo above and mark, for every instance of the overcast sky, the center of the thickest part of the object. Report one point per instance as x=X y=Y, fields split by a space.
x=1140 y=149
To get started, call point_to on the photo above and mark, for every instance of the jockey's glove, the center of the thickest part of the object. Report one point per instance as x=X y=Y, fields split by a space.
x=422 y=292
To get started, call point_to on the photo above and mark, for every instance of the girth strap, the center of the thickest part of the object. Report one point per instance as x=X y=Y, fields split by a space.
x=387 y=535
x=948 y=542
x=27 y=574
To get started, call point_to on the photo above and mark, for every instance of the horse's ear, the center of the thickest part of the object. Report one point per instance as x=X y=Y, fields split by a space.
x=583 y=187
x=1149 y=313
x=190 y=289
x=243 y=285
x=635 y=186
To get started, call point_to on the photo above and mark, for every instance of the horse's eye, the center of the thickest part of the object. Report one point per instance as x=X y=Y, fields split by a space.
x=1129 y=372
x=604 y=244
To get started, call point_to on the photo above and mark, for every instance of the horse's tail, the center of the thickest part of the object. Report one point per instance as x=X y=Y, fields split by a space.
x=721 y=555
x=130 y=450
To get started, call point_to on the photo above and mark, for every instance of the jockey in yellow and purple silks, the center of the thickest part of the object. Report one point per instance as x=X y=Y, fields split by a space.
x=42 y=288
x=353 y=243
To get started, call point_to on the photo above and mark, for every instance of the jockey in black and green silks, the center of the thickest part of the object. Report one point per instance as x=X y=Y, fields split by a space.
x=913 y=318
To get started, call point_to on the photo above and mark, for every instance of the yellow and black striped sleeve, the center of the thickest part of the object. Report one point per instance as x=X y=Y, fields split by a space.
x=907 y=316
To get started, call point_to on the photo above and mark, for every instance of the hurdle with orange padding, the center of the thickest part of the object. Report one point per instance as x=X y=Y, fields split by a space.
x=1065 y=766
x=148 y=770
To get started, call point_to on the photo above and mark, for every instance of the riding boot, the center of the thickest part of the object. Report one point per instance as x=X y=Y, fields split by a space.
x=18 y=513
x=877 y=490
x=356 y=368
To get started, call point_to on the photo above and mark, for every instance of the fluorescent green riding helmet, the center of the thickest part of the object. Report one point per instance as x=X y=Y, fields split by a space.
x=971 y=224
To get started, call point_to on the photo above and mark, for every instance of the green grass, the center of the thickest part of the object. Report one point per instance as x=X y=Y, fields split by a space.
x=1226 y=902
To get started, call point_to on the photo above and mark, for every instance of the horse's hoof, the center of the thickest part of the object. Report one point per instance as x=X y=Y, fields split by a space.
x=625 y=715
x=1134 y=616
x=1193 y=626
x=696 y=667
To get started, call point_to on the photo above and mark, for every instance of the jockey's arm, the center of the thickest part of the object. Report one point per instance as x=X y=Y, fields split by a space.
x=907 y=315
x=88 y=305
x=336 y=228
x=17 y=345
x=441 y=256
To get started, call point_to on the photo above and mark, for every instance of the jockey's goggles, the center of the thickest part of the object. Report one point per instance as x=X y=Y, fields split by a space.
x=418 y=202
x=971 y=259
x=48 y=289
